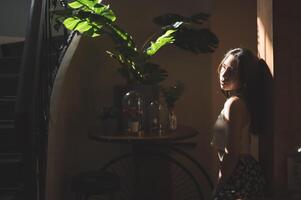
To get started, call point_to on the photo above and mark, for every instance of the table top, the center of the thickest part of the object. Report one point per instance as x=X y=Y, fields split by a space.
x=182 y=132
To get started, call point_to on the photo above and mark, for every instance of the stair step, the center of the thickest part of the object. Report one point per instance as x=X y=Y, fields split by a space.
x=14 y=49
x=9 y=141
x=12 y=194
x=6 y=123
x=7 y=108
x=8 y=84
x=10 y=65
x=11 y=190
x=10 y=170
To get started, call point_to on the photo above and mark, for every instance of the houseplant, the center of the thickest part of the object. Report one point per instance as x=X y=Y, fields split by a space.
x=93 y=18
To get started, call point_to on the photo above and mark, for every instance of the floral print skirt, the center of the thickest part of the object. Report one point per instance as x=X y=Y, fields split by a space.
x=247 y=181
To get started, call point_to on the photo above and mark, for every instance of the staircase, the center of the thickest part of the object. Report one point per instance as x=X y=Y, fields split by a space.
x=15 y=149
x=11 y=151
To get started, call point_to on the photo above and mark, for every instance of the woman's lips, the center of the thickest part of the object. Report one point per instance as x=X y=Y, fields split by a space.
x=223 y=82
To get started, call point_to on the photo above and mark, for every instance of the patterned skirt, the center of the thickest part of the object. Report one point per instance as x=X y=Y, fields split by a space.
x=246 y=182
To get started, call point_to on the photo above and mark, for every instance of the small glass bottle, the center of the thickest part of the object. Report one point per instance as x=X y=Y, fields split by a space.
x=172 y=118
x=155 y=125
x=132 y=112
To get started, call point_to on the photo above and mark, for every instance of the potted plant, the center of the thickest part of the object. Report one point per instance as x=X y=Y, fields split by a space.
x=93 y=18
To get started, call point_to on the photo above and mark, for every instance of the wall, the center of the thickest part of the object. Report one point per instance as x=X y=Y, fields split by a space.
x=279 y=45
x=286 y=43
x=14 y=16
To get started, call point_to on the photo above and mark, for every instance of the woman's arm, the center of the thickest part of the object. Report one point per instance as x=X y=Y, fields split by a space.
x=236 y=115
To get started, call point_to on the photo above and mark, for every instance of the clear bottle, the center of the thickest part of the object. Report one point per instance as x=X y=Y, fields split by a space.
x=132 y=112
x=172 y=118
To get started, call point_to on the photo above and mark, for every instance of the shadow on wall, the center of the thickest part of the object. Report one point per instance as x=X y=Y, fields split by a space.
x=265 y=95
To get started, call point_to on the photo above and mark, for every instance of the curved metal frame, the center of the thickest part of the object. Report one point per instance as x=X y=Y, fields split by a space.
x=165 y=156
x=183 y=153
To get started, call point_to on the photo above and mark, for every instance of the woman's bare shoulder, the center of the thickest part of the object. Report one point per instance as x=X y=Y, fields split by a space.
x=235 y=106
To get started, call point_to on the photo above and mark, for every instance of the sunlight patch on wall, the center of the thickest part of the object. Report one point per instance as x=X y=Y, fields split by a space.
x=265 y=42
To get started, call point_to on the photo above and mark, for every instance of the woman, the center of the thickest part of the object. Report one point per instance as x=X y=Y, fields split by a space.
x=240 y=175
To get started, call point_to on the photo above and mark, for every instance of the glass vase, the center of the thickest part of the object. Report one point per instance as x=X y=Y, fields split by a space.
x=132 y=112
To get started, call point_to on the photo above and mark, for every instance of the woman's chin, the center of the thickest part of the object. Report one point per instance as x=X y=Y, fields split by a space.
x=224 y=87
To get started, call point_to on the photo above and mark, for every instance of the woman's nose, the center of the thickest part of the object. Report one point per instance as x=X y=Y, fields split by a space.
x=225 y=74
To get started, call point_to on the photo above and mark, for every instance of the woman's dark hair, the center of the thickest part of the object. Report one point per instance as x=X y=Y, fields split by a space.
x=254 y=77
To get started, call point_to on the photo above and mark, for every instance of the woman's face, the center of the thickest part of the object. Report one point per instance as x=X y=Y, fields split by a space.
x=228 y=75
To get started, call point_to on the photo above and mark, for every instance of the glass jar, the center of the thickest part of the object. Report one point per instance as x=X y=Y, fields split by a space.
x=132 y=112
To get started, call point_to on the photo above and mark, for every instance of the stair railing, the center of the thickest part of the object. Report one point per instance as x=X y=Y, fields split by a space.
x=38 y=68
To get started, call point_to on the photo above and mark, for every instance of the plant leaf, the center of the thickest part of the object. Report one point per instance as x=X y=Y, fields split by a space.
x=196 y=40
x=121 y=36
x=75 y=5
x=71 y=22
x=87 y=3
x=92 y=32
x=170 y=18
x=118 y=57
x=94 y=7
x=106 y=12
x=161 y=41
x=199 y=17
x=152 y=73
x=83 y=26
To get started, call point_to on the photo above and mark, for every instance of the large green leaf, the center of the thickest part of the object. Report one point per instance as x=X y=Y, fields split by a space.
x=87 y=3
x=161 y=41
x=92 y=32
x=130 y=70
x=121 y=36
x=93 y=6
x=83 y=26
x=75 y=5
x=196 y=40
x=106 y=12
x=71 y=22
